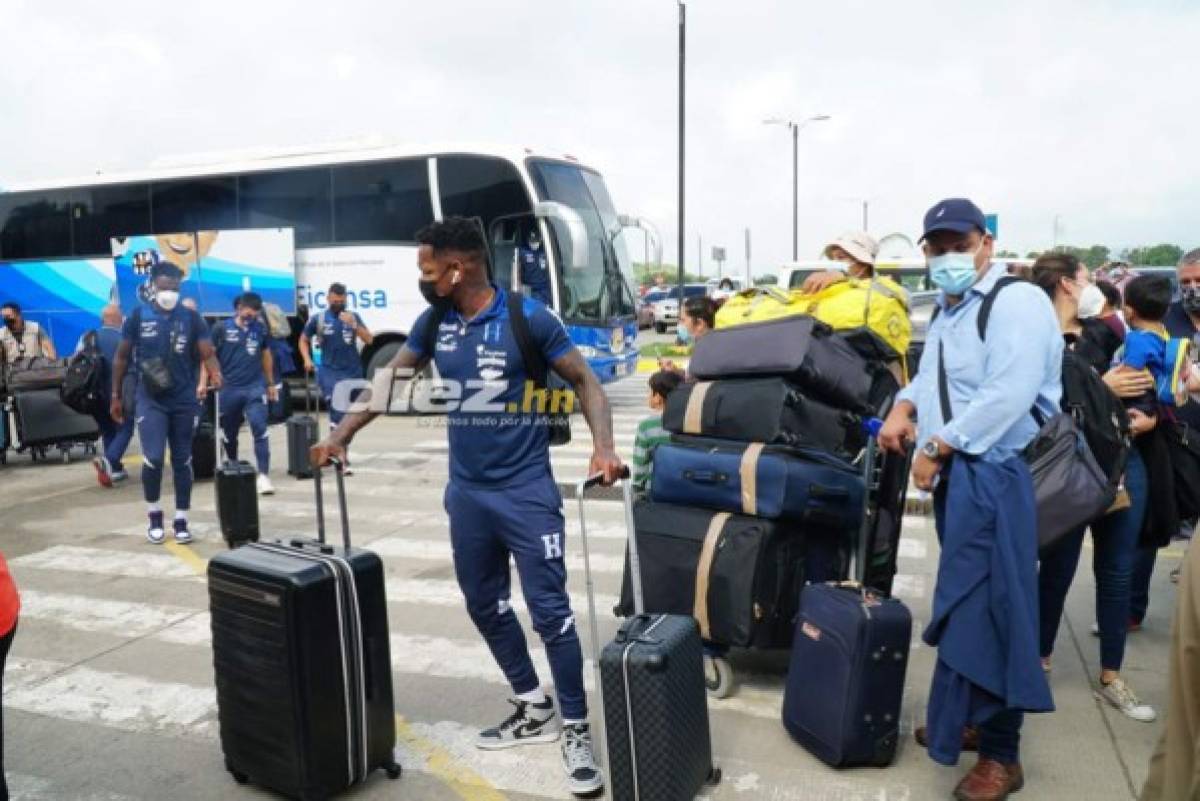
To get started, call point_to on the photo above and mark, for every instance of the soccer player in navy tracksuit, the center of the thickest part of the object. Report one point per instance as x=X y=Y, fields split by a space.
x=171 y=340
x=244 y=350
x=336 y=331
x=535 y=270
x=502 y=498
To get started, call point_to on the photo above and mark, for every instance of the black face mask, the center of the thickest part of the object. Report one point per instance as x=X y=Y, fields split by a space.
x=337 y=308
x=429 y=292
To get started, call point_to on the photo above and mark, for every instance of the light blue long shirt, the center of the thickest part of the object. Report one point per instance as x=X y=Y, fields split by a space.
x=993 y=383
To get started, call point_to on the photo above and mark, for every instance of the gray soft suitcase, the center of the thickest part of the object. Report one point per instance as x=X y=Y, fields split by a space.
x=653 y=699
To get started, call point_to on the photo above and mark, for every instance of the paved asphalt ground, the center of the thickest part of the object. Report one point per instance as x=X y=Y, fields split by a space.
x=109 y=691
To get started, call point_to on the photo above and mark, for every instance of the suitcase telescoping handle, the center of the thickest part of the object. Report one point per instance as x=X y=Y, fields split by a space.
x=341 y=493
x=872 y=427
x=627 y=496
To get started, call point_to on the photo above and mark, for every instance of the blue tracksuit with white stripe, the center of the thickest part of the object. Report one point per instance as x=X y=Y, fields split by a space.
x=339 y=356
x=502 y=498
x=244 y=393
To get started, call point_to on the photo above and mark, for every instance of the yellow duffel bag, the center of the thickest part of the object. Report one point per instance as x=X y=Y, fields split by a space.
x=759 y=305
x=873 y=312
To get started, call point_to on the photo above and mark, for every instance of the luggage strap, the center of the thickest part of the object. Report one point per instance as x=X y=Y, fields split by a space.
x=748 y=473
x=693 y=416
x=704 y=568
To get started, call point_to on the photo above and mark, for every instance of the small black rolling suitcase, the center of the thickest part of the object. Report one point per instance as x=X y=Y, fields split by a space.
x=653 y=702
x=845 y=681
x=237 y=493
x=302 y=663
x=302 y=433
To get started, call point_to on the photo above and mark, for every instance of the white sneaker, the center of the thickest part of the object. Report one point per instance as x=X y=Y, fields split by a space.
x=104 y=471
x=155 y=534
x=182 y=535
x=119 y=476
x=583 y=777
x=1119 y=695
x=530 y=723
x=265 y=487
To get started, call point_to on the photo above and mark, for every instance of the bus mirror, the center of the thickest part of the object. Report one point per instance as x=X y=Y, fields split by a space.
x=629 y=221
x=575 y=229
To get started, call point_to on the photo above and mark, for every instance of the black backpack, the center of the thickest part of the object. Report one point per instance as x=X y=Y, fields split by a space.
x=83 y=387
x=1097 y=411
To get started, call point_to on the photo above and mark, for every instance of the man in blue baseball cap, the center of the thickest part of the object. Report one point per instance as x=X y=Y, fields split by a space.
x=971 y=412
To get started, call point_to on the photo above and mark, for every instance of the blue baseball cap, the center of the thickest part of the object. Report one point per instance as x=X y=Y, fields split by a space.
x=954 y=214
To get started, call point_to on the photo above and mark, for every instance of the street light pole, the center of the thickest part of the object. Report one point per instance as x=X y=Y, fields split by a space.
x=795 y=129
x=682 y=110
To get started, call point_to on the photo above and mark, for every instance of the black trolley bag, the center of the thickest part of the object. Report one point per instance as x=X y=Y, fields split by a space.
x=845 y=681
x=302 y=433
x=204 y=441
x=745 y=571
x=302 y=662
x=236 y=492
x=768 y=410
x=652 y=697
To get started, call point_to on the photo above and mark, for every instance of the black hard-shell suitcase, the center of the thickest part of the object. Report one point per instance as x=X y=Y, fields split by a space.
x=204 y=444
x=43 y=419
x=653 y=702
x=752 y=584
x=769 y=410
x=236 y=495
x=845 y=681
x=302 y=663
x=302 y=434
x=800 y=348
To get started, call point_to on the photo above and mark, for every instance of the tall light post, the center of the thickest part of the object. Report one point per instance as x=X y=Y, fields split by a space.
x=682 y=129
x=795 y=127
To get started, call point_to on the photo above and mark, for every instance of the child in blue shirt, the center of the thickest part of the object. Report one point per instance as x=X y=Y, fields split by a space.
x=1149 y=347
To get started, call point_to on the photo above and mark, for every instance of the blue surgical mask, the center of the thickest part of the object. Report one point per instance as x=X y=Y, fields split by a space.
x=684 y=334
x=953 y=273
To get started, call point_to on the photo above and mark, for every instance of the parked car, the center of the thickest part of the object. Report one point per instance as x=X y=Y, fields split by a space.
x=645 y=309
x=666 y=311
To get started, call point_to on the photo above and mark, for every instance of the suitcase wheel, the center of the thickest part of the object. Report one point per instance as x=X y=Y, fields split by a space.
x=714 y=777
x=238 y=776
x=718 y=676
x=393 y=771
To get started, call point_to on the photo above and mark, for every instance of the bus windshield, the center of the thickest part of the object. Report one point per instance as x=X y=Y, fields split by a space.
x=597 y=291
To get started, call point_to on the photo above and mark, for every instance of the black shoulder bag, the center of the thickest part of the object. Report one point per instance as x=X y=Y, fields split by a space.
x=554 y=392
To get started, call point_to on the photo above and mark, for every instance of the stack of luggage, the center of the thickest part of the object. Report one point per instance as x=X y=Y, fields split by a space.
x=41 y=419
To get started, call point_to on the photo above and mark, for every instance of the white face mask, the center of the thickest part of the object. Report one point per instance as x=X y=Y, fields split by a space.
x=166 y=298
x=1091 y=302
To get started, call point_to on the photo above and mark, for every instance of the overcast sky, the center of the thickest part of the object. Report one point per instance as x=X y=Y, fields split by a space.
x=1081 y=108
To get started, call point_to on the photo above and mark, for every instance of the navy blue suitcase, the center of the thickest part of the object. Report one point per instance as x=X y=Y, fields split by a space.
x=845 y=681
x=804 y=485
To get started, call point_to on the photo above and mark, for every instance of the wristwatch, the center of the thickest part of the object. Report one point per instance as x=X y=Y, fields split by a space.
x=930 y=450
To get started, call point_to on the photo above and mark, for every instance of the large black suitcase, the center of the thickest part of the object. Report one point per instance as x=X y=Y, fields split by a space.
x=302 y=434
x=42 y=419
x=845 y=680
x=768 y=410
x=653 y=703
x=302 y=663
x=800 y=348
x=751 y=583
x=236 y=495
x=204 y=449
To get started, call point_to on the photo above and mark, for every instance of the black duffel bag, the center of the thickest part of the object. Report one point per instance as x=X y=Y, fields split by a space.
x=35 y=372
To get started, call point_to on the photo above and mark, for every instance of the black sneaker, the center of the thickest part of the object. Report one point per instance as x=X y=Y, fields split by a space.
x=583 y=777
x=530 y=723
x=182 y=535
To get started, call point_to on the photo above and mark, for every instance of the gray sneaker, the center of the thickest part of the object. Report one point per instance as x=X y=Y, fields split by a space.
x=528 y=724
x=583 y=777
x=1118 y=694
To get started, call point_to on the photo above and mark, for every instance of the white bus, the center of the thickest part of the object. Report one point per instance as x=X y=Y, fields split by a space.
x=354 y=214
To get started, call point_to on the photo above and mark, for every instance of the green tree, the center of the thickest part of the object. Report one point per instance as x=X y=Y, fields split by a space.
x=766 y=279
x=1007 y=254
x=1162 y=255
x=1092 y=256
